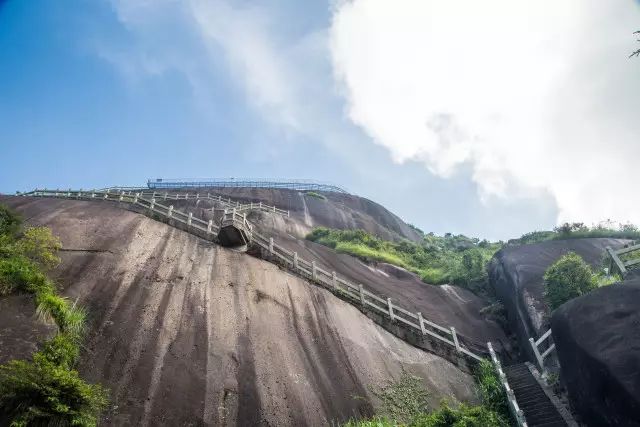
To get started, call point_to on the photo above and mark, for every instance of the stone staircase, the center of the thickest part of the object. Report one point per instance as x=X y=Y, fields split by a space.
x=538 y=409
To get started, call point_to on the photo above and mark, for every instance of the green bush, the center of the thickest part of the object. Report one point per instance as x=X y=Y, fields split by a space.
x=316 y=195
x=39 y=245
x=405 y=404
x=18 y=273
x=10 y=221
x=42 y=392
x=567 y=278
x=46 y=390
x=61 y=350
x=489 y=387
x=459 y=260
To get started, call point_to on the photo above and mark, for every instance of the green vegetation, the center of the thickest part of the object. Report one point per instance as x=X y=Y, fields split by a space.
x=405 y=404
x=46 y=390
x=437 y=260
x=579 y=230
x=316 y=195
x=567 y=278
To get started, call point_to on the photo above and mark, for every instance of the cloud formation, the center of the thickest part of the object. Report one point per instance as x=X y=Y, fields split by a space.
x=535 y=97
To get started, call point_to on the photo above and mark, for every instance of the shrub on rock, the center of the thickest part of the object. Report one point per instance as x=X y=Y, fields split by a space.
x=567 y=278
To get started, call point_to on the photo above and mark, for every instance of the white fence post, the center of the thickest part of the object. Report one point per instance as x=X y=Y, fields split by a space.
x=106 y=195
x=121 y=196
x=189 y=218
x=334 y=280
x=390 y=309
x=537 y=354
x=170 y=213
x=295 y=260
x=209 y=225
x=421 y=321
x=271 y=245
x=314 y=274
x=153 y=204
x=361 y=289
x=455 y=338
x=135 y=198
x=165 y=195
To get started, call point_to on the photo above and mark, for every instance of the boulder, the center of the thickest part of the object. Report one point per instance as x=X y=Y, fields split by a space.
x=597 y=339
x=516 y=273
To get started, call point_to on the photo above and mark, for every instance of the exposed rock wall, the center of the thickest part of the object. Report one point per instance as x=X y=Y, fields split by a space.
x=516 y=273
x=343 y=211
x=186 y=332
x=597 y=338
x=447 y=306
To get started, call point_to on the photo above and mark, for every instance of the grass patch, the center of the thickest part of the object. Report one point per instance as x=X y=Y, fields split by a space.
x=46 y=390
x=316 y=195
x=436 y=259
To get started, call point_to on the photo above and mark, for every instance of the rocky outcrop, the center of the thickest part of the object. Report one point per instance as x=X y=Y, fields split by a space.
x=342 y=211
x=184 y=332
x=448 y=306
x=597 y=339
x=516 y=273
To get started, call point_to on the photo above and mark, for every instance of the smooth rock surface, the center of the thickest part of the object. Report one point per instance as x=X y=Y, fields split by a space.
x=184 y=332
x=597 y=338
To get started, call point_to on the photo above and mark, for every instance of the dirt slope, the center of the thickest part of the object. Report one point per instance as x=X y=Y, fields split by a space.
x=188 y=333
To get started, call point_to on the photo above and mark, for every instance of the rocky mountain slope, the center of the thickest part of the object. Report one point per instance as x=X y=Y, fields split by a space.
x=516 y=273
x=186 y=332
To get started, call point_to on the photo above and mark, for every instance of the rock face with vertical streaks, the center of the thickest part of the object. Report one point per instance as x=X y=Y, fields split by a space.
x=184 y=332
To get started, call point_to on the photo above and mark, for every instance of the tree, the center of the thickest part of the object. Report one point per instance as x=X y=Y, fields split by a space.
x=567 y=278
x=637 y=52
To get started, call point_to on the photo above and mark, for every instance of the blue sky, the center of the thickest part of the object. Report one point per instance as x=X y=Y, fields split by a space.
x=96 y=93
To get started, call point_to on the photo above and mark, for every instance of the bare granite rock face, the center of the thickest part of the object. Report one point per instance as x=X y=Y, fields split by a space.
x=184 y=332
x=516 y=273
x=597 y=339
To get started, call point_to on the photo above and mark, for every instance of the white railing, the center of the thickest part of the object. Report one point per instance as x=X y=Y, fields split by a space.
x=514 y=408
x=622 y=265
x=541 y=355
x=228 y=202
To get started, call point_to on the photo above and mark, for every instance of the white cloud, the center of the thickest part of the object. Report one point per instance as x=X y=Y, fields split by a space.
x=532 y=95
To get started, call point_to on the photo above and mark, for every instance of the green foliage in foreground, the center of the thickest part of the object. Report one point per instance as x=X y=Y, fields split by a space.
x=437 y=260
x=404 y=404
x=567 y=278
x=46 y=390
x=578 y=230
